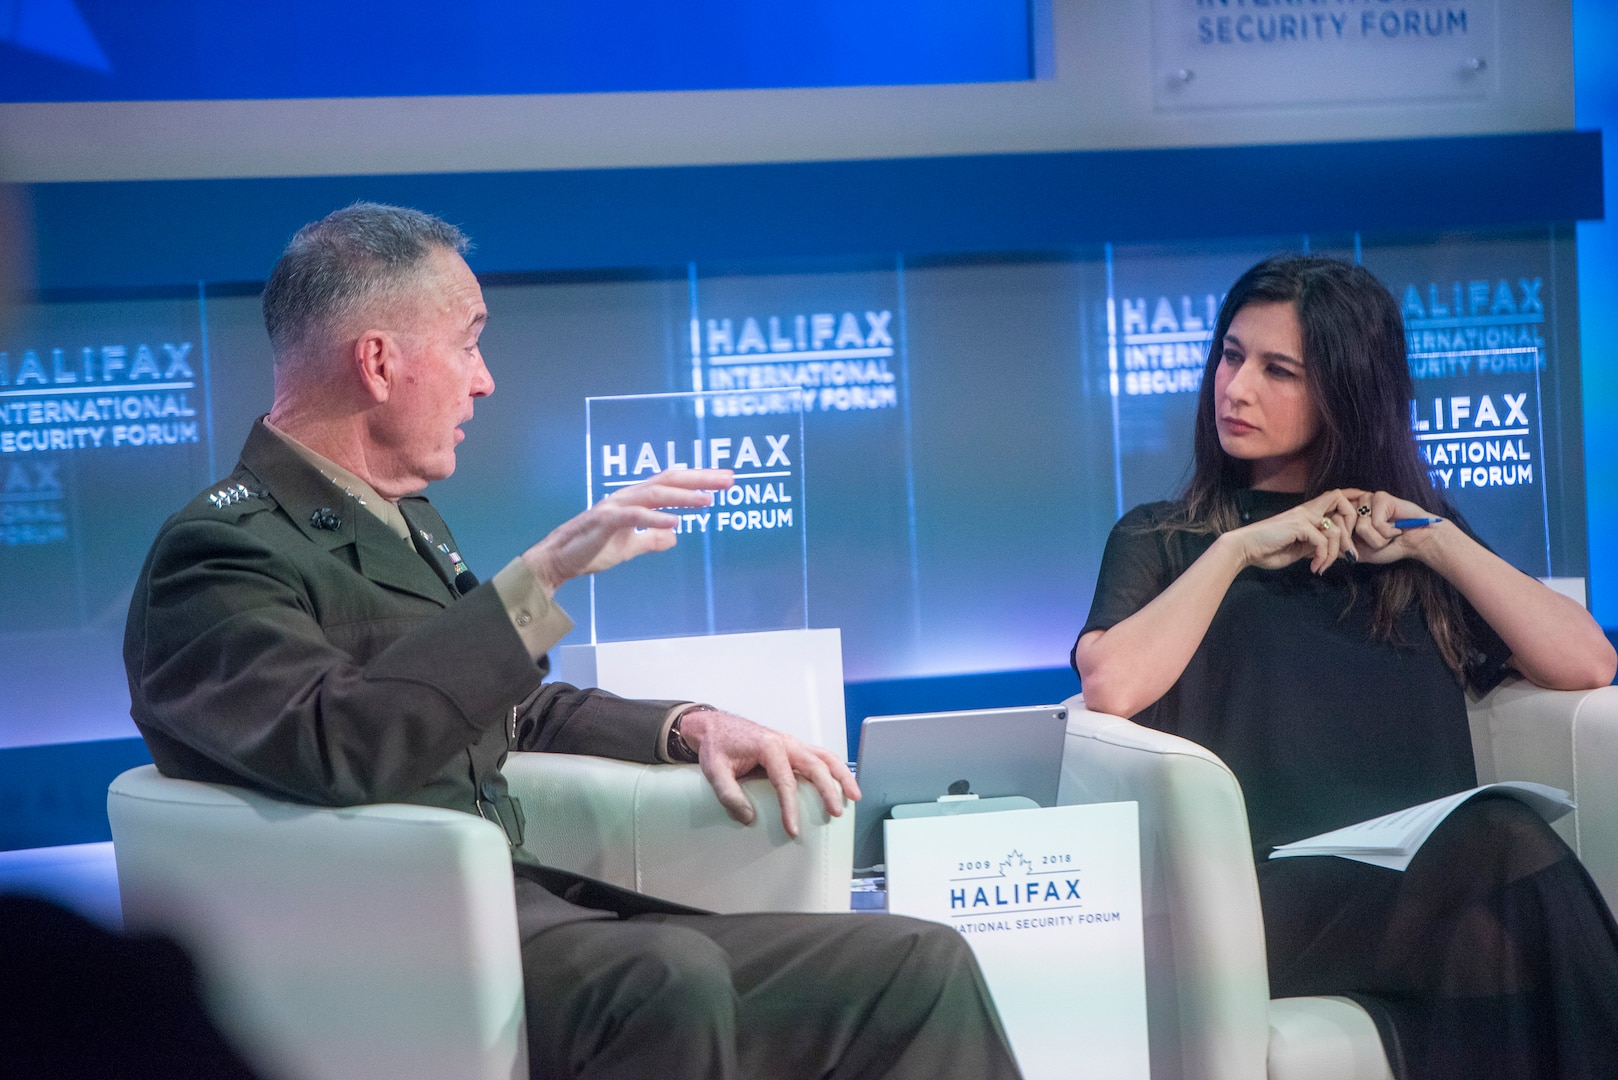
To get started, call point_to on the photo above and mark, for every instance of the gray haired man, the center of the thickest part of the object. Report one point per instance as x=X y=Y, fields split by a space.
x=307 y=628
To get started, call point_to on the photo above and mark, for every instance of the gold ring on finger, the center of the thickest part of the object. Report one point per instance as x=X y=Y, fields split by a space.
x=1325 y=525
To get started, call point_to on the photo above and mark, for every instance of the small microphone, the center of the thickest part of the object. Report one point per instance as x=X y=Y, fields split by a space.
x=465 y=582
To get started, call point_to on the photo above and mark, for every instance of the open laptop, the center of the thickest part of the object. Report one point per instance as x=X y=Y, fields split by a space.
x=915 y=758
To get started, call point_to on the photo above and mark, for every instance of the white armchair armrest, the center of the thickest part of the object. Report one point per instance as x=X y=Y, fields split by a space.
x=367 y=941
x=658 y=829
x=1207 y=986
x=1566 y=738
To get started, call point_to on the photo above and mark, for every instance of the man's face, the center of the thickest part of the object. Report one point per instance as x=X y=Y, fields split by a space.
x=439 y=372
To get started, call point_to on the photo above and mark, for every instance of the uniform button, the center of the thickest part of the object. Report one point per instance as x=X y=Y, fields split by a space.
x=523 y=618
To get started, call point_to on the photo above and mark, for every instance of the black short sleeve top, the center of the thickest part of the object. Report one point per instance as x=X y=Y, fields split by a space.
x=1323 y=725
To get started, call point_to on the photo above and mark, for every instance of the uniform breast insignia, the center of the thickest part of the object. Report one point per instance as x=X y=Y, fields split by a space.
x=231 y=494
x=325 y=518
x=453 y=556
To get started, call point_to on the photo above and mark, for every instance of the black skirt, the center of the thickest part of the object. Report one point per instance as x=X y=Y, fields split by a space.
x=1492 y=956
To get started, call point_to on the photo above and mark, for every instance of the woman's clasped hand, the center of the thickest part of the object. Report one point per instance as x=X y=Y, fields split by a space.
x=1344 y=523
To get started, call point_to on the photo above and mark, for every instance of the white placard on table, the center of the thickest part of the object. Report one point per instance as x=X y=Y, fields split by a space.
x=1050 y=901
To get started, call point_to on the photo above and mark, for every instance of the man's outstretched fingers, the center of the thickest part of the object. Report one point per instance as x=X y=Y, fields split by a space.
x=840 y=772
x=677 y=487
x=728 y=791
x=778 y=767
x=816 y=768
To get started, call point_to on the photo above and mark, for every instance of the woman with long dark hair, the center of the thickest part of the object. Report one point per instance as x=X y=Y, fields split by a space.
x=1276 y=615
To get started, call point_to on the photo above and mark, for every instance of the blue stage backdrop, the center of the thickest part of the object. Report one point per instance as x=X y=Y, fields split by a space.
x=982 y=394
x=972 y=428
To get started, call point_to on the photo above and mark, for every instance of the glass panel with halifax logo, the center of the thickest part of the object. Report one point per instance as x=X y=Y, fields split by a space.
x=833 y=329
x=738 y=565
x=1161 y=306
x=104 y=432
x=1493 y=352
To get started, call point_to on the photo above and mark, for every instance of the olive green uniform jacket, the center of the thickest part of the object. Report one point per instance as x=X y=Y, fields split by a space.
x=282 y=638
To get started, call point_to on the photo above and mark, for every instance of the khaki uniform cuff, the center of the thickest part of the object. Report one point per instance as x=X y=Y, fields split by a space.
x=534 y=613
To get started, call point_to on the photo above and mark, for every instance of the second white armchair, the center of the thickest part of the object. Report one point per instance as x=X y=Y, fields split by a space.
x=1210 y=1015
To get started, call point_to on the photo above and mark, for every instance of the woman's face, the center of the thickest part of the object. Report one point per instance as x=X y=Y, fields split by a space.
x=1262 y=406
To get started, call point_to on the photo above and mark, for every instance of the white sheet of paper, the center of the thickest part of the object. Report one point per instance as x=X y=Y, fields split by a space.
x=1392 y=840
x=1049 y=900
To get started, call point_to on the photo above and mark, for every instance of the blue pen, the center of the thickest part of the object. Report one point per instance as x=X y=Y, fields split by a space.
x=1416 y=523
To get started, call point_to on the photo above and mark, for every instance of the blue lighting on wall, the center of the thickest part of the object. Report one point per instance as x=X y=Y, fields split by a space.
x=108 y=50
x=1595 y=82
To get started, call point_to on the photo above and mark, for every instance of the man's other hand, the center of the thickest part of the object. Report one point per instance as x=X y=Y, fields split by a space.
x=629 y=522
x=729 y=747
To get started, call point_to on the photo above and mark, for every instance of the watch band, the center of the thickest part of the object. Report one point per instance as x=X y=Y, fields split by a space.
x=677 y=748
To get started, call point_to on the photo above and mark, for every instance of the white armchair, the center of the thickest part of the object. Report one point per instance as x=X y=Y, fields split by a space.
x=1210 y=1015
x=658 y=829
x=1568 y=739
x=381 y=941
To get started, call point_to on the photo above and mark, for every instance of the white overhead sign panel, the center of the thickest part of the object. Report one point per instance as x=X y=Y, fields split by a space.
x=1211 y=54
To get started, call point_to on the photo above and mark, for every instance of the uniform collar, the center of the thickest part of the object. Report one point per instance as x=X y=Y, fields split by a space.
x=351 y=483
x=331 y=518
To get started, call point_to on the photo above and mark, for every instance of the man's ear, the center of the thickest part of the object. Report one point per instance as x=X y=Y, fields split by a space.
x=376 y=362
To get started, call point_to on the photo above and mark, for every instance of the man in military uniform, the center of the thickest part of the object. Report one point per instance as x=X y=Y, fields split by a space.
x=308 y=628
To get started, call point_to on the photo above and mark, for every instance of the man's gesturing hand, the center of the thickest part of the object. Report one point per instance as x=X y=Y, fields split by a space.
x=729 y=747
x=627 y=523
